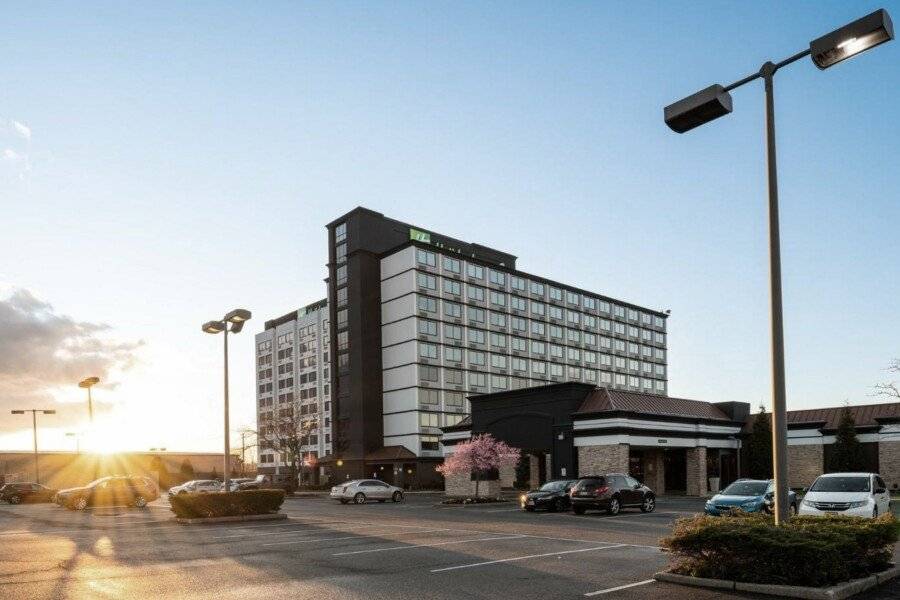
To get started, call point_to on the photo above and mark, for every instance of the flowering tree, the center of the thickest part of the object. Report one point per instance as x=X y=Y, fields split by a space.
x=480 y=454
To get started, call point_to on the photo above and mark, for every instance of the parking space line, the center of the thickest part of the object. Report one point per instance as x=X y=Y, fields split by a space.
x=252 y=534
x=621 y=587
x=511 y=537
x=515 y=558
x=361 y=535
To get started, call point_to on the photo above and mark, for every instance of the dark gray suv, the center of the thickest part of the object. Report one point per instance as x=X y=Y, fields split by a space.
x=612 y=493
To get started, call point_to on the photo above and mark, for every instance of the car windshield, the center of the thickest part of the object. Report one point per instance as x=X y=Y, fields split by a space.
x=553 y=486
x=746 y=488
x=97 y=482
x=840 y=484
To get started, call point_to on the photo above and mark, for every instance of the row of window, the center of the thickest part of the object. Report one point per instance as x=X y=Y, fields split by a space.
x=522 y=285
x=432 y=419
x=477 y=382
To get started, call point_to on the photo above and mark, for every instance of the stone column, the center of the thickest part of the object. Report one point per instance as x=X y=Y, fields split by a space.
x=696 y=471
x=507 y=476
x=889 y=463
x=655 y=471
x=534 y=472
x=548 y=466
x=600 y=460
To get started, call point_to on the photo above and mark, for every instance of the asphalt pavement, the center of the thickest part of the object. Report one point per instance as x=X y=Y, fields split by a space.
x=411 y=550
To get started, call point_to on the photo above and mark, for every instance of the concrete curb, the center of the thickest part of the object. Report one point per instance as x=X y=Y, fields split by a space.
x=272 y=517
x=835 y=592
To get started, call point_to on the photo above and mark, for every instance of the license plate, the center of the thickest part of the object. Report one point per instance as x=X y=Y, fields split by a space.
x=831 y=513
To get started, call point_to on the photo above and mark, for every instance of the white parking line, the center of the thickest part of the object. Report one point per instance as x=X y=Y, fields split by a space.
x=352 y=537
x=512 y=537
x=353 y=528
x=515 y=558
x=621 y=587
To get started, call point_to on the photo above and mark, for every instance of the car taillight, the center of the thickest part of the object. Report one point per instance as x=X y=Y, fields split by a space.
x=601 y=490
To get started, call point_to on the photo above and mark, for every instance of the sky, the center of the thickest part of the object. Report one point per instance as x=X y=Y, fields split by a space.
x=163 y=163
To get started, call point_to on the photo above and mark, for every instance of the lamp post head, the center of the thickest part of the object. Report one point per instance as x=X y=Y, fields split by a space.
x=49 y=412
x=88 y=382
x=18 y=412
x=851 y=39
x=214 y=326
x=697 y=109
x=238 y=315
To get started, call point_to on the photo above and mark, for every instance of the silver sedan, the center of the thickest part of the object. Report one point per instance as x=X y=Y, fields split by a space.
x=359 y=491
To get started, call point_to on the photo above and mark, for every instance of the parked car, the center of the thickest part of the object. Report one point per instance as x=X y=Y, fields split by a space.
x=360 y=490
x=553 y=495
x=268 y=482
x=235 y=484
x=747 y=495
x=853 y=494
x=611 y=493
x=196 y=486
x=110 y=491
x=17 y=493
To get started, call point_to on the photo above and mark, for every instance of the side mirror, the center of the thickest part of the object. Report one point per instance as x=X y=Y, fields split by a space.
x=880 y=490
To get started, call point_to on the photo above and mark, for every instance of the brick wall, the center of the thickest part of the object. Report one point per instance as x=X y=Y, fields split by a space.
x=655 y=471
x=697 y=484
x=507 y=476
x=462 y=485
x=889 y=463
x=805 y=463
x=534 y=472
x=598 y=460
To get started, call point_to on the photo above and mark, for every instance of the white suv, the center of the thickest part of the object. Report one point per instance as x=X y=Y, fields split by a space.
x=852 y=494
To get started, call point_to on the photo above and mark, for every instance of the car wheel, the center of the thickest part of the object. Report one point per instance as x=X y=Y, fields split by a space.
x=875 y=512
x=14 y=499
x=649 y=503
x=529 y=508
x=578 y=510
x=359 y=498
x=140 y=502
x=792 y=510
x=613 y=506
x=558 y=505
x=397 y=497
x=81 y=503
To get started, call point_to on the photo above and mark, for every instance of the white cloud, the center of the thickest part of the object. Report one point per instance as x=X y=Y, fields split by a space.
x=22 y=129
x=10 y=154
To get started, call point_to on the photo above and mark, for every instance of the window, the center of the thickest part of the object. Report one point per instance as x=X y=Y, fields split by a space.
x=633 y=381
x=590 y=339
x=519 y=344
x=537 y=288
x=498 y=361
x=498 y=340
x=427 y=350
x=555 y=312
x=453 y=377
x=340 y=253
x=474 y=271
x=519 y=324
x=590 y=375
x=476 y=314
x=427 y=304
x=476 y=336
x=519 y=364
x=646 y=335
x=452 y=332
x=619 y=345
x=431 y=397
x=556 y=332
x=538 y=367
x=572 y=298
x=453 y=398
x=452 y=287
x=537 y=328
x=477 y=379
x=605 y=378
x=573 y=354
x=498 y=319
x=556 y=351
x=537 y=308
x=427 y=373
x=556 y=294
x=496 y=277
x=340 y=275
x=606 y=360
x=426 y=281
x=590 y=303
x=556 y=370
x=474 y=292
x=633 y=365
x=620 y=379
x=574 y=373
x=660 y=386
x=517 y=283
x=619 y=311
x=342 y=296
x=658 y=322
x=452 y=310
x=632 y=331
x=590 y=357
x=450 y=420
x=452 y=265
x=619 y=328
x=476 y=358
x=604 y=306
x=430 y=442
x=340 y=232
x=659 y=370
x=574 y=336
x=605 y=325
x=428 y=327
x=343 y=341
x=429 y=419
x=452 y=354
x=499 y=382
x=632 y=314
x=538 y=348
x=659 y=354
x=659 y=338
x=498 y=298
x=423 y=257
x=517 y=303
x=572 y=317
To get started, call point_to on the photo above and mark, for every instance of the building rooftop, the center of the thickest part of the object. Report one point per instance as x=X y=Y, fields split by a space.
x=867 y=415
x=605 y=400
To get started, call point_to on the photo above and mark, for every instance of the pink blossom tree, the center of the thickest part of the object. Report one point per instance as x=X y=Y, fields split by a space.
x=480 y=454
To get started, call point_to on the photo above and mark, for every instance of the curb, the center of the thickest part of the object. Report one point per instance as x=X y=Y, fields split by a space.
x=835 y=592
x=192 y=521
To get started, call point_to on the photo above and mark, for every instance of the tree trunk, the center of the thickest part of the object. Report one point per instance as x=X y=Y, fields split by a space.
x=477 y=481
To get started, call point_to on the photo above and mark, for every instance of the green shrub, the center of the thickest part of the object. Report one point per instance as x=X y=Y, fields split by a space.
x=809 y=551
x=227 y=504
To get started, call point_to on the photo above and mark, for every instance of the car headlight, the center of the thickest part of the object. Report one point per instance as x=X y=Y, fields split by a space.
x=858 y=504
x=522 y=499
x=808 y=503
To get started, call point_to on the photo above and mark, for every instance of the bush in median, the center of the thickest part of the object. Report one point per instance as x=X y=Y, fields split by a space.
x=808 y=551
x=227 y=504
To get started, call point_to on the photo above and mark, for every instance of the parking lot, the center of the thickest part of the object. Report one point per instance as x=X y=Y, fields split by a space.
x=325 y=550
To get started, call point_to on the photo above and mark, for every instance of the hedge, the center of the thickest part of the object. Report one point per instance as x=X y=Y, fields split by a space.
x=227 y=504
x=807 y=551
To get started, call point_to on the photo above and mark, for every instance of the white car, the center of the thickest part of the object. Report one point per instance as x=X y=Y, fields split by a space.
x=197 y=486
x=359 y=491
x=851 y=494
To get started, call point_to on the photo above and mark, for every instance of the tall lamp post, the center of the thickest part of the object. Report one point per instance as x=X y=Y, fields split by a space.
x=88 y=383
x=714 y=102
x=77 y=437
x=236 y=320
x=34 y=412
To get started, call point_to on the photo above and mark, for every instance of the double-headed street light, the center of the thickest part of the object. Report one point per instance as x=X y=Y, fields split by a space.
x=236 y=320
x=714 y=102
x=34 y=412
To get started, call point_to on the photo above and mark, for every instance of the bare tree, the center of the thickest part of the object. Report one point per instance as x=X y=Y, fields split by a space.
x=287 y=432
x=891 y=389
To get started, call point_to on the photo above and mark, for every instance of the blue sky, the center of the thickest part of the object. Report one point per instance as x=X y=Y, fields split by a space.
x=181 y=160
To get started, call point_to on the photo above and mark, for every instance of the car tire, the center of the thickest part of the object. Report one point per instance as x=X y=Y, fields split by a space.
x=359 y=498
x=558 y=505
x=140 y=502
x=15 y=499
x=578 y=510
x=792 y=510
x=397 y=497
x=874 y=512
x=614 y=506
x=649 y=504
x=529 y=508
x=80 y=504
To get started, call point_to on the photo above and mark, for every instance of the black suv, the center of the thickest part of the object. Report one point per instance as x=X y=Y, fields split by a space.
x=15 y=493
x=611 y=493
x=553 y=495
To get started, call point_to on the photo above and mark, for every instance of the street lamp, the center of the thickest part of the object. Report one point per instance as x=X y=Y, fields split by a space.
x=88 y=383
x=34 y=412
x=77 y=437
x=714 y=102
x=236 y=319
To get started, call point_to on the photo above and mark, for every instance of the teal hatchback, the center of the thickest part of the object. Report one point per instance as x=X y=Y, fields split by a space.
x=747 y=495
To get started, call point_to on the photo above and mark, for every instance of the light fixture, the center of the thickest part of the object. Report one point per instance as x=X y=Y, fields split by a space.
x=697 y=109
x=340 y=463
x=49 y=412
x=851 y=39
x=88 y=382
x=18 y=412
x=238 y=315
x=214 y=326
